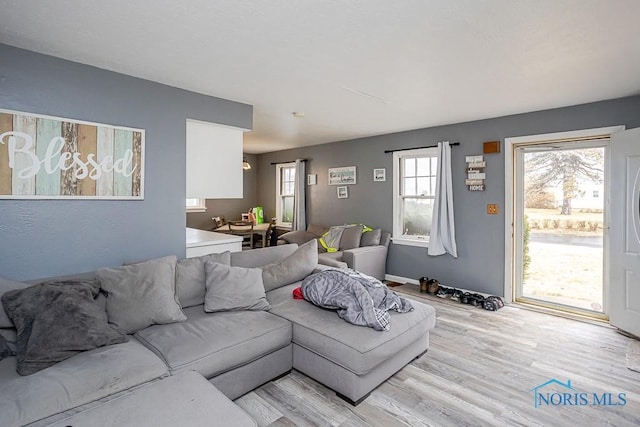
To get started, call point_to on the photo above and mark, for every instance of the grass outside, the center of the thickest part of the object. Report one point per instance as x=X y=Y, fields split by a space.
x=565 y=273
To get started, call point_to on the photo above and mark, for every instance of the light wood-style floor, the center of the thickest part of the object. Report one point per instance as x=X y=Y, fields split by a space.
x=479 y=371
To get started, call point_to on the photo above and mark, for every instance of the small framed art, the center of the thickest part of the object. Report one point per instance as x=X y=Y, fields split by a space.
x=343 y=192
x=379 y=175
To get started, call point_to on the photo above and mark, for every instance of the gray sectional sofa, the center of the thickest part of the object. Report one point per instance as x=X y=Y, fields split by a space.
x=160 y=371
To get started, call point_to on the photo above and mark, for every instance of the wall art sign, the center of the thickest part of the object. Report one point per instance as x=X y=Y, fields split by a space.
x=342 y=176
x=343 y=192
x=475 y=173
x=379 y=175
x=44 y=157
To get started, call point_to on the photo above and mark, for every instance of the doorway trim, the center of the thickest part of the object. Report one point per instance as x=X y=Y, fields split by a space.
x=509 y=187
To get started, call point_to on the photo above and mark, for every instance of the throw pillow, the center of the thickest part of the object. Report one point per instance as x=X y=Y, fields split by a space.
x=55 y=321
x=190 y=277
x=5 y=350
x=140 y=295
x=351 y=237
x=371 y=238
x=294 y=268
x=233 y=288
x=6 y=286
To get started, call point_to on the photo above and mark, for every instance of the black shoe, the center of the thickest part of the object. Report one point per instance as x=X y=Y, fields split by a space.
x=456 y=294
x=493 y=303
x=442 y=292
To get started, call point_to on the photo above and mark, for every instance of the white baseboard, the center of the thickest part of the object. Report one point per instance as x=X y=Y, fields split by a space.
x=406 y=280
x=400 y=279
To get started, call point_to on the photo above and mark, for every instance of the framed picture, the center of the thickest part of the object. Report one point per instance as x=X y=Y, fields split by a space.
x=379 y=175
x=343 y=193
x=312 y=179
x=342 y=176
x=44 y=157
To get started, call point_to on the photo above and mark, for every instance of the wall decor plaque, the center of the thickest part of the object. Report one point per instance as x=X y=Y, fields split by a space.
x=43 y=157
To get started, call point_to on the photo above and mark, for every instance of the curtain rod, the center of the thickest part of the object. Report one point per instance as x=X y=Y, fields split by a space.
x=453 y=144
x=290 y=161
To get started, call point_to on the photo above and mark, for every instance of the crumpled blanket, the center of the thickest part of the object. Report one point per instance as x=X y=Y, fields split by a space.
x=359 y=299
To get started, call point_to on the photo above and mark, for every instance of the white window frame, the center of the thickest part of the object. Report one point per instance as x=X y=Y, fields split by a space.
x=398 y=214
x=279 y=195
x=200 y=206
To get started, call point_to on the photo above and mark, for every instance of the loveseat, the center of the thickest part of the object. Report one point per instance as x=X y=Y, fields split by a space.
x=160 y=370
x=360 y=248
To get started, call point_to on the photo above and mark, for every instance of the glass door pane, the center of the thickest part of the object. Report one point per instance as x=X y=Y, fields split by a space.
x=562 y=218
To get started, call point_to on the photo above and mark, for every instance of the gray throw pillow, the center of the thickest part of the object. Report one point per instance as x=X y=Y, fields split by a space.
x=5 y=350
x=55 y=321
x=351 y=237
x=190 y=277
x=140 y=295
x=292 y=269
x=234 y=288
x=6 y=286
x=371 y=238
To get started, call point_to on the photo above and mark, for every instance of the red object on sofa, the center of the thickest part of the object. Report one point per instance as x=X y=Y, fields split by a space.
x=297 y=293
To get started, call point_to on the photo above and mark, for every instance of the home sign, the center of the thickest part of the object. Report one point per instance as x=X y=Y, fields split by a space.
x=44 y=157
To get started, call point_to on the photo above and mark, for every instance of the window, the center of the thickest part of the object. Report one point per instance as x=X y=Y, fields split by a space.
x=285 y=193
x=196 y=205
x=414 y=183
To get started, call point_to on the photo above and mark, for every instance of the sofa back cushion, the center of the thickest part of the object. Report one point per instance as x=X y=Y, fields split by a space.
x=6 y=286
x=263 y=256
x=56 y=321
x=190 y=277
x=371 y=238
x=233 y=288
x=140 y=295
x=351 y=237
x=292 y=269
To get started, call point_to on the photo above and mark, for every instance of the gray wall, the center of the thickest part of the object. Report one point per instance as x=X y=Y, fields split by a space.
x=480 y=237
x=40 y=238
x=230 y=208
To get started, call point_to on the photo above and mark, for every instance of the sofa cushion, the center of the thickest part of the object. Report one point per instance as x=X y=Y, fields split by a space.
x=263 y=256
x=5 y=350
x=355 y=348
x=83 y=378
x=294 y=268
x=190 y=277
x=55 y=321
x=351 y=237
x=371 y=238
x=182 y=400
x=298 y=237
x=141 y=294
x=218 y=342
x=6 y=286
x=233 y=288
x=317 y=230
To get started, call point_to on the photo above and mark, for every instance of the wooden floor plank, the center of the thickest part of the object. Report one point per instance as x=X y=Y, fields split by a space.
x=480 y=370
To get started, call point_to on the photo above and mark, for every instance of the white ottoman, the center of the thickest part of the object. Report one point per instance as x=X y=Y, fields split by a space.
x=186 y=399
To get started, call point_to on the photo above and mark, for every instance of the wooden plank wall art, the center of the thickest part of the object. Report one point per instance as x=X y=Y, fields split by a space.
x=45 y=157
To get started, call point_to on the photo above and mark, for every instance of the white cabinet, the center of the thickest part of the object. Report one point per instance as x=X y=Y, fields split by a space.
x=214 y=161
x=201 y=242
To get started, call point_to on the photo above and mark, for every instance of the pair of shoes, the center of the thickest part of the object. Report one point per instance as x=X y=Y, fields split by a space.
x=443 y=292
x=492 y=303
x=473 y=299
x=456 y=295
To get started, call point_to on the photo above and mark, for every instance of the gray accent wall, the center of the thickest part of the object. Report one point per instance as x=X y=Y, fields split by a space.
x=230 y=208
x=480 y=237
x=42 y=238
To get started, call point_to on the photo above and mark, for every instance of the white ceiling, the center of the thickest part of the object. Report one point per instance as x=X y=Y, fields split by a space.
x=354 y=67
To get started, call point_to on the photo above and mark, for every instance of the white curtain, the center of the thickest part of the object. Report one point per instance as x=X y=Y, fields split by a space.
x=300 y=203
x=443 y=231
